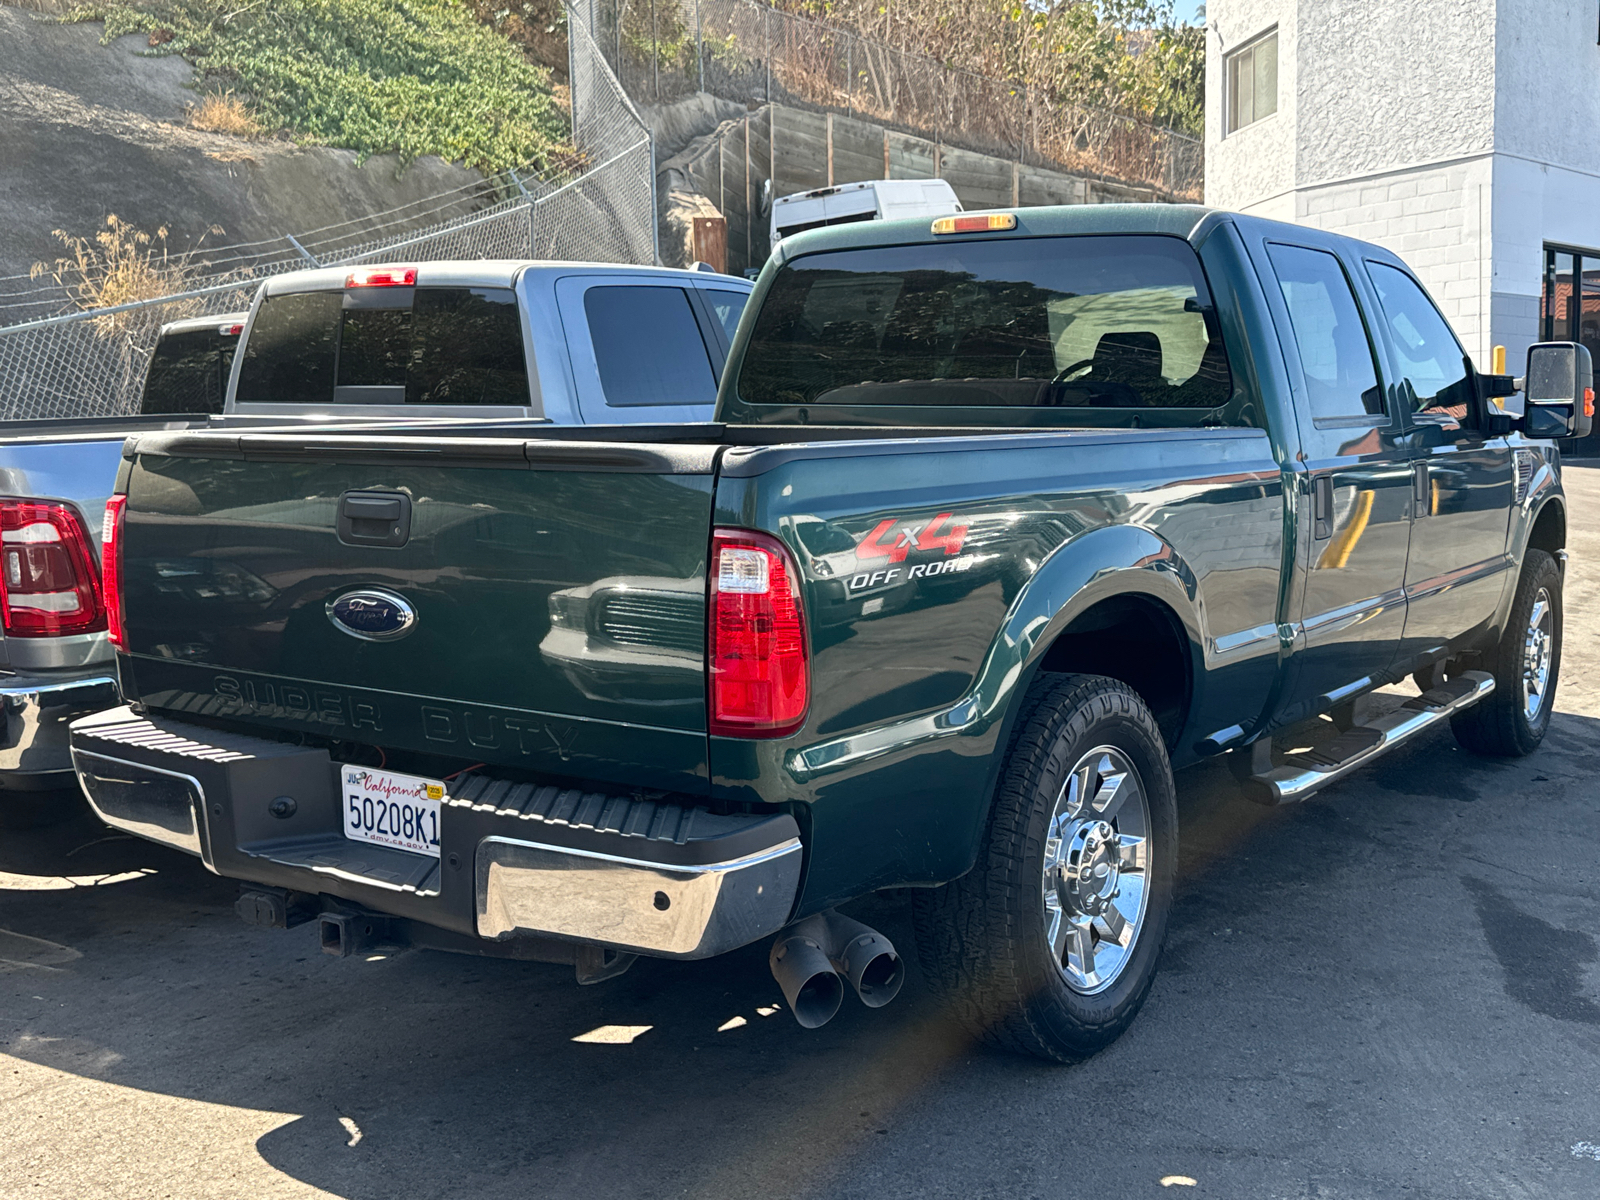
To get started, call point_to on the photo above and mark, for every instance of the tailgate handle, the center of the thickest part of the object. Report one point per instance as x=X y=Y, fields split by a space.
x=374 y=518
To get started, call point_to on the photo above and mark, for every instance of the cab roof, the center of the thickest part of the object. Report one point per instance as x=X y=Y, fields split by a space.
x=1173 y=220
x=485 y=272
x=1191 y=222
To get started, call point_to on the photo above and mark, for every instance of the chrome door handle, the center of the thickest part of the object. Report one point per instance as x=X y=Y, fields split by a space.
x=1420 y=479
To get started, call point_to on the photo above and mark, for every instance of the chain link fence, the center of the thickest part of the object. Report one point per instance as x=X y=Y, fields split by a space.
x=56 y=363
x=745 y=51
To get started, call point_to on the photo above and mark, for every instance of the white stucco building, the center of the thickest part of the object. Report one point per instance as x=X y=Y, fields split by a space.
x=1462 y=134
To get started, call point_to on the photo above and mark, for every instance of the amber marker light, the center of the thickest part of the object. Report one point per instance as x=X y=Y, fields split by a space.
x=975 y=223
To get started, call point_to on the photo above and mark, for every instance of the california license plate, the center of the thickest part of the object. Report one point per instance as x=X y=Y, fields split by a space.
x=388 y=809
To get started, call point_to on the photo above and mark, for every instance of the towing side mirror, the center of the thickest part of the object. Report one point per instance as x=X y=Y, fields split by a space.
x=1559 y=387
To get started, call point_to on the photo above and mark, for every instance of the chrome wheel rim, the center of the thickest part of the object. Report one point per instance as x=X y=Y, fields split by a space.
x=1097 y=870
x=1538 y=655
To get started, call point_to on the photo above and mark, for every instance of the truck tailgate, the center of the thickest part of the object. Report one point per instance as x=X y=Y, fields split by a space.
x=556 y=592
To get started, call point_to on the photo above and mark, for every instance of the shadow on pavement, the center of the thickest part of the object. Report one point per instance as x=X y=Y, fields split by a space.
x=1345 y=993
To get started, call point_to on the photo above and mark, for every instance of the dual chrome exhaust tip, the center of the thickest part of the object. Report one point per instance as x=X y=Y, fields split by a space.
x=814 y=958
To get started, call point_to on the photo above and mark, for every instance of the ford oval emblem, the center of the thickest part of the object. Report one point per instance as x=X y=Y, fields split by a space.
x=373 y=615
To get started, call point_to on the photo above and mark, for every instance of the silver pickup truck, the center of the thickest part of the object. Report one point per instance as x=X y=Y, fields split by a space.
x=567 y=343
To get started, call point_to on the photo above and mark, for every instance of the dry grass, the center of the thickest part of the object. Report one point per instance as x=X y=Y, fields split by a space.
x=223 y=112
x=118 y=265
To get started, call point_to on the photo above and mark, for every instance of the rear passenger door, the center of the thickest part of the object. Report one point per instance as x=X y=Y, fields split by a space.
x=1356 y=485
x=1458 y=567
x=643 y=349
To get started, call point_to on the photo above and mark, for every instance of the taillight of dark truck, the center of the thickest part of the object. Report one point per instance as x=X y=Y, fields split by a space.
x=48 y=583
x=111 y=570
x=758 y=667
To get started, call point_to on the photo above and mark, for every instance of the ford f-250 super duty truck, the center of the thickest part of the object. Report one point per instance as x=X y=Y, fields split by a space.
x=572 y=343
x=1003 y=521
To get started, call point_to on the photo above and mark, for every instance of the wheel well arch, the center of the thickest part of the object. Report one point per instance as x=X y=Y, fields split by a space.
x=1138 y=639
x=1549 y=532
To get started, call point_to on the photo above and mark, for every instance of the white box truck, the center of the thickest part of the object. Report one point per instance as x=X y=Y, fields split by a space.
x=870 y=200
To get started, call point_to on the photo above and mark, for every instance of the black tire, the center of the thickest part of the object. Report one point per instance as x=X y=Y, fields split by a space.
x=1499 y=725
x=982 y=939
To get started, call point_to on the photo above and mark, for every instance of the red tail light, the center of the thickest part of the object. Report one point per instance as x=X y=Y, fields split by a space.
x=48 y=583
x=759 y=670
x=111 y=570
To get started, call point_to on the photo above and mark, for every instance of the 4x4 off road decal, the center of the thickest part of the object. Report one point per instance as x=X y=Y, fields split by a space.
x=892 y=544
x=927 y=537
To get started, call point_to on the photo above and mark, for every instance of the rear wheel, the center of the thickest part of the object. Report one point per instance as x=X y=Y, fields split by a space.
x=1048 y=946
x=1526 y=665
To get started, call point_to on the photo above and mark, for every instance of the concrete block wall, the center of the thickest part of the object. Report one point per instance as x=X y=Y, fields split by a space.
x=1436 y=218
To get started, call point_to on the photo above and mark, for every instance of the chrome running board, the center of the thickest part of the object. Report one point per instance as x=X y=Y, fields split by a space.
x=1307 y=772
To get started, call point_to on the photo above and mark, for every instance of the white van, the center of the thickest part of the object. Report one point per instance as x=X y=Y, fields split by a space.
x=871 y=200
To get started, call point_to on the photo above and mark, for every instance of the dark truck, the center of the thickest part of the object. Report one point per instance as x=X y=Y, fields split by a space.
x=1001 y=523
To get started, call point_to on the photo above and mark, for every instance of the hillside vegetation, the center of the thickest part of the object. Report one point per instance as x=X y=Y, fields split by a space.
x=1129 y=55
x=411 y=77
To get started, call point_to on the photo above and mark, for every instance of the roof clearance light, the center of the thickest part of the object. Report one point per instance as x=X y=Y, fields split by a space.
x=975 y=223
x=382 y=277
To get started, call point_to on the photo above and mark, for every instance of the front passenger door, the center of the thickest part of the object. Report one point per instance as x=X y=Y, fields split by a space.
x=1459 y=566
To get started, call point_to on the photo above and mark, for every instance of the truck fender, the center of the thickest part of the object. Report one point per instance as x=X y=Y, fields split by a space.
x=1119 y=560
x=1111 y=561
x=1544 y=498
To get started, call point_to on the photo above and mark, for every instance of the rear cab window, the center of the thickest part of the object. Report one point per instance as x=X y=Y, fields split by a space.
x=649 y=347
x=421 y=346
x=1102 y=330
x=188 y=371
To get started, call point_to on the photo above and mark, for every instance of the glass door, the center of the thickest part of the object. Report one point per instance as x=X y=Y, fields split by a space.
x=1569 y=311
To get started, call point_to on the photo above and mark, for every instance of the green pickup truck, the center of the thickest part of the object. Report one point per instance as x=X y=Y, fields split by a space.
x=1003 y=520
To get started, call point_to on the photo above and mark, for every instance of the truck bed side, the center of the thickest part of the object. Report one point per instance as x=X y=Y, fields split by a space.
x=918 y=659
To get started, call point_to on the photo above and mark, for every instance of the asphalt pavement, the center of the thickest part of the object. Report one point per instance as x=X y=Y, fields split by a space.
x=1392 y=990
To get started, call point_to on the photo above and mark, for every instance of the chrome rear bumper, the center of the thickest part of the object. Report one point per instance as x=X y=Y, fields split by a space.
x=38 y=709
x=647 y=907
x=517 y=860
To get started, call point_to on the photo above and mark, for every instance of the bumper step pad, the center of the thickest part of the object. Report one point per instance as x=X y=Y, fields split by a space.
x=696 y=835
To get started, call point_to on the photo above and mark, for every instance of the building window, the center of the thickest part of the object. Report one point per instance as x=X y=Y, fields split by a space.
x=1252 y=81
